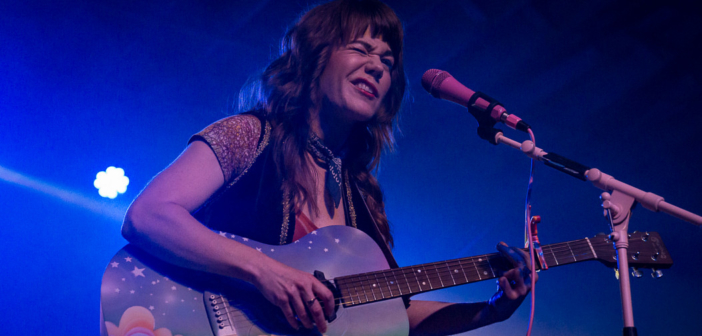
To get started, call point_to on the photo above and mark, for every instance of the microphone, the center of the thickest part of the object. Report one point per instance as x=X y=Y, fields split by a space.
x=488 y=111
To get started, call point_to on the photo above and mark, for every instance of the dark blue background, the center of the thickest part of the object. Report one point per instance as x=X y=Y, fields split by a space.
x=611 y=84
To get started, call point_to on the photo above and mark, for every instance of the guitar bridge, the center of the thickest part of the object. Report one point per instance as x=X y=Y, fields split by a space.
x=219 y=313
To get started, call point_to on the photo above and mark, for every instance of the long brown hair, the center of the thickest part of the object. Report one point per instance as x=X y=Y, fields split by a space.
x=288 y=90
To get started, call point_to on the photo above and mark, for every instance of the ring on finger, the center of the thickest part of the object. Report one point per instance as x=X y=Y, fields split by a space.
x=311 y=302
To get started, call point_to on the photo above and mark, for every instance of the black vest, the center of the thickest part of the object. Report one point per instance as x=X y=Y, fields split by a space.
x=253 y=206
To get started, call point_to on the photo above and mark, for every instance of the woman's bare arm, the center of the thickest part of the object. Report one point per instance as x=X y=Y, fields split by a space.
x=160 y=222
x=441 y=318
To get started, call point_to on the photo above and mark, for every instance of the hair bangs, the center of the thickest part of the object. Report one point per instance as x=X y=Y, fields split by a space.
x=360 y=16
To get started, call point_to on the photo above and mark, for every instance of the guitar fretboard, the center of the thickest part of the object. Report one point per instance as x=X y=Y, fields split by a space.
x=387 y=284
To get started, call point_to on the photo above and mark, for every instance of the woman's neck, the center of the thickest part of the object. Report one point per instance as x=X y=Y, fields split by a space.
x=332 y=131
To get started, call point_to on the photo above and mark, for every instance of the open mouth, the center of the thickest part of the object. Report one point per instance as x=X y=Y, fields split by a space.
x=365 y=87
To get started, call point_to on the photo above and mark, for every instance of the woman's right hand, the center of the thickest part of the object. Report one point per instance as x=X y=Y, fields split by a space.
x=296 y=293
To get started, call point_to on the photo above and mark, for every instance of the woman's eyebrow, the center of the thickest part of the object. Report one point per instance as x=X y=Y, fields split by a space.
x=368 y=46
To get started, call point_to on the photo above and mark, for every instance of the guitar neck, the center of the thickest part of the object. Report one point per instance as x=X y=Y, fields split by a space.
x=387 y=284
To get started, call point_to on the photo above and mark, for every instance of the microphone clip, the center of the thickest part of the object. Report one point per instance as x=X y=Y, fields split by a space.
x=483 y=116
x=486 y=124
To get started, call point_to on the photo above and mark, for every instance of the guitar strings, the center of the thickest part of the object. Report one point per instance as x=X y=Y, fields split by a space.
x=576 y=250
x=442 y=271
x=235 y=315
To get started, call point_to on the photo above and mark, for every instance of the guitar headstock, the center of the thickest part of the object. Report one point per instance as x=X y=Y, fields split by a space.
x=646 y=250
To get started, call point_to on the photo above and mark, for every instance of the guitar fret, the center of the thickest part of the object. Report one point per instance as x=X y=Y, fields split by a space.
x=463 y=270
x=360 y=300
x=355 y=289
x=477 y=270
x=403 y=282
x=392 y=280
x=565 y=254
x=380 y=286
x=439 y=275
x=490 y=265
x=371 y=287
x=407 y=282
x=571 y=253
x=450 y=273
x=365 y=293
x=419 y=284
x=345 y=290
x=398 y=283
x=458 y=270
x=353 y=293
x=475 y=267
x=554 y=257
x=455 y=273
x=591 y=248
x=388 y=284
x=426 y=275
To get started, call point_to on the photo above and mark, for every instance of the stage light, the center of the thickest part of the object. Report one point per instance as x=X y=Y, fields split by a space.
x=111 y=182
x=111 y=210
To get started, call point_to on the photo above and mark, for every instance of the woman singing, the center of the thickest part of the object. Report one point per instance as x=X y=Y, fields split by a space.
x=299 y=159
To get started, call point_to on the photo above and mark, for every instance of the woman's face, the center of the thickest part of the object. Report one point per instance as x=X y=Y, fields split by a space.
x=357 y=78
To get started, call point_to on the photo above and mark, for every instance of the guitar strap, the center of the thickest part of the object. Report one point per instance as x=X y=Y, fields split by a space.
x=367 y=224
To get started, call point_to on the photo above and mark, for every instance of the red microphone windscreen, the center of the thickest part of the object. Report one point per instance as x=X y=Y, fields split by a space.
x=432 y=79
x=428 y=77
x=442 y=85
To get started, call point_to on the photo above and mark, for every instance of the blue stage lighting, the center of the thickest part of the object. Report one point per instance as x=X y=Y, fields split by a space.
x=111 y=182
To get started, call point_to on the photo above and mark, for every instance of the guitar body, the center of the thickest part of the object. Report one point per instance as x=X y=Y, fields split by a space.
x=142 y=295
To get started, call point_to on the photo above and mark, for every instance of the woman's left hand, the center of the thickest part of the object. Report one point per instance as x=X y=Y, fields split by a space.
x=514 y=285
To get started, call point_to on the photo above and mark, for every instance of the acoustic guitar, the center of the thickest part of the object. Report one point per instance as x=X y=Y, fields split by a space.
x=142 y=295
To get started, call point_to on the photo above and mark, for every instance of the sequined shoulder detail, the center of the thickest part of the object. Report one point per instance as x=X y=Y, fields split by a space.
x=234 y=141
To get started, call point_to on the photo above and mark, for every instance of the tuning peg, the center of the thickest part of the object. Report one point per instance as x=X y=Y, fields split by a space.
x=655 y=273
x=636 y=273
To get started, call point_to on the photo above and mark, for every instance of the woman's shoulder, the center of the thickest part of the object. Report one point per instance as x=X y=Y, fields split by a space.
x=238 y=125
x=234 y=140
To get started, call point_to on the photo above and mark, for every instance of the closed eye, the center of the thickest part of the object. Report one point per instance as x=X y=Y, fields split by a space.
x=360 y=50
x=365 y=49
x=388 y=62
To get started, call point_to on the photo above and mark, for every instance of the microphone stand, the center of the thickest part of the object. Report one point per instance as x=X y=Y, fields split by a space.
x=618 y=199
